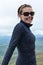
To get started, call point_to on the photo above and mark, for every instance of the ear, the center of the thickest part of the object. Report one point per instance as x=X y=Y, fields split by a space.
x=19 y=15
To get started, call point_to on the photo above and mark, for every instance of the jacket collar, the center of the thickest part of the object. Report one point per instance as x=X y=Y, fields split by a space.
x=26 y=24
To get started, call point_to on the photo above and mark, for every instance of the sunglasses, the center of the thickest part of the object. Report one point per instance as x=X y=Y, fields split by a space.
x=28 y=13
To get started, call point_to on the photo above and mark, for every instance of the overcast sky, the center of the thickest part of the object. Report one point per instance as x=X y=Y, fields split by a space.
x=9 y=18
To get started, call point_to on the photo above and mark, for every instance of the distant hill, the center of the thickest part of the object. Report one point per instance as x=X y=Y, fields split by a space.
x=4 y=40
x=39 y=37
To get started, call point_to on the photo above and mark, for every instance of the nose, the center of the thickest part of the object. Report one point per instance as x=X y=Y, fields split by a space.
x=29 y=15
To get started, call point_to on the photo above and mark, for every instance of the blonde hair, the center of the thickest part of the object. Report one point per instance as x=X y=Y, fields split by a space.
x=23 y=6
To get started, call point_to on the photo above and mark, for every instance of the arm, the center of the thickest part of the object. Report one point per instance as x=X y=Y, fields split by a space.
x=17 y=33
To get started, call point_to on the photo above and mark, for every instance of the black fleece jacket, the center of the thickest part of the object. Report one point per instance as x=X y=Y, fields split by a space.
x=24 y=40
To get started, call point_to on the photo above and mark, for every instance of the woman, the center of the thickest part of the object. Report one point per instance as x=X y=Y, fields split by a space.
x=23 y=39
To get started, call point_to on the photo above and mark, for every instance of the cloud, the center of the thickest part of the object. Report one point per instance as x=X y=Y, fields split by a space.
x=39 y=32
x=5 y=21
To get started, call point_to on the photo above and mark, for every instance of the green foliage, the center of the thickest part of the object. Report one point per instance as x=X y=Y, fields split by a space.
x=39 y=58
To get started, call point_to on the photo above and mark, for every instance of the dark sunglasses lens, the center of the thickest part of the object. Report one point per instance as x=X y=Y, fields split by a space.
x=26 y=14
x=32 y=13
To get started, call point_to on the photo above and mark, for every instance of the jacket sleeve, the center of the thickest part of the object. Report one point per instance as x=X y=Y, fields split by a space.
x=17 y=33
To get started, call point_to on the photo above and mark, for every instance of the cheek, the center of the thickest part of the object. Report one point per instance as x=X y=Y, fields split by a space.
x=31 y=18
x=22 y=16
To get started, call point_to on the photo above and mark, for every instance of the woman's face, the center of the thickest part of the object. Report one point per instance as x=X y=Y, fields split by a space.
x=27 y=14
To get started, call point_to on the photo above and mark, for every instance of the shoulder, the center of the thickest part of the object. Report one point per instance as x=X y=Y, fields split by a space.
x=18 y=27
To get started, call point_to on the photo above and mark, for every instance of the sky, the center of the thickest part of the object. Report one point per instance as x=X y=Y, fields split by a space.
x=9 y=18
